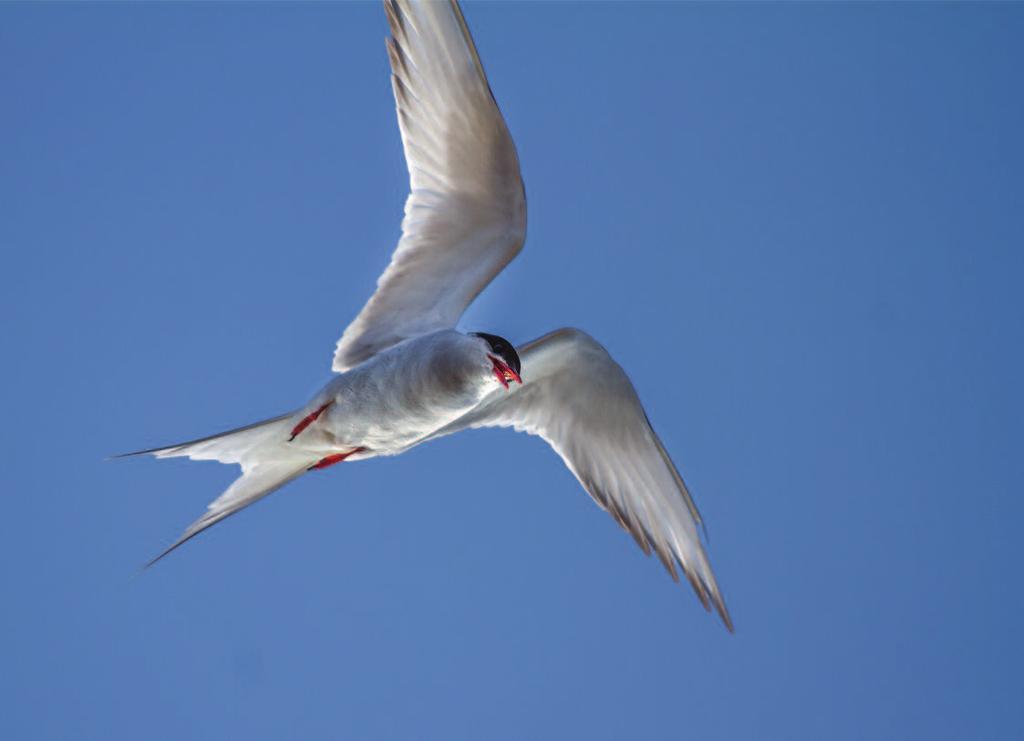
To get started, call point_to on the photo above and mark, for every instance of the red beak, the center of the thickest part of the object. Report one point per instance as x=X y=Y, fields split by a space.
x=503 y=373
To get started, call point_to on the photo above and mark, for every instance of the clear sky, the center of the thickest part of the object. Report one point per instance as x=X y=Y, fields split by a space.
x=798 y=227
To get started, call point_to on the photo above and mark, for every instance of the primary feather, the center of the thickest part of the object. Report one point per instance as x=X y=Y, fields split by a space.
x=580 y=401
x=465 y=217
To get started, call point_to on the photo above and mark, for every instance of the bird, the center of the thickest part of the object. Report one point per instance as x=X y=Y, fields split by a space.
x=404 y=374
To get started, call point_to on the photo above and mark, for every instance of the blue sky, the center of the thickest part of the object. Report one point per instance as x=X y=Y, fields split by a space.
x=798 y=227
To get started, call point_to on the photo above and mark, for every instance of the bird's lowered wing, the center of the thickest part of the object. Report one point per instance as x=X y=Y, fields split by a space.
x=465 y=217
x=578 y=399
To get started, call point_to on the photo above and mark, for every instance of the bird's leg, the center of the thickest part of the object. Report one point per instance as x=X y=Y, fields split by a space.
x=308 y=420
x=330 y=460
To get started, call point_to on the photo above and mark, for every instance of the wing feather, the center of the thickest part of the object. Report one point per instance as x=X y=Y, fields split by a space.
x=578 y=399
x=465 y=217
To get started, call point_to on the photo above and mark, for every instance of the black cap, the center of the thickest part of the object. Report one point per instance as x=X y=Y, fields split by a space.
x=502 y=347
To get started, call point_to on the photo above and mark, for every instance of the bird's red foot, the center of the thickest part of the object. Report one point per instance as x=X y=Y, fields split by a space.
x=330 y=460
x=308 y=420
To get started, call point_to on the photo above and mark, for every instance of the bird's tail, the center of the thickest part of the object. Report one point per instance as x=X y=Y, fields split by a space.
x=233 y=446
x=268 y=462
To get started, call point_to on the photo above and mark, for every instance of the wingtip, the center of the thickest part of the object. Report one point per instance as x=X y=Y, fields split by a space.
x=723 y=613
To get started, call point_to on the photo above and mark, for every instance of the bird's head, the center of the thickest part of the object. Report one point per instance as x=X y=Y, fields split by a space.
x=503 y=356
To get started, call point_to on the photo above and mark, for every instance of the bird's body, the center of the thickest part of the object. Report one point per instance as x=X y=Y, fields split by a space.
x=398 y=398
x=406 y=375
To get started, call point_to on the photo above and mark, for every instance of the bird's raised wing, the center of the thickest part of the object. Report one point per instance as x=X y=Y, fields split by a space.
x=578 y=399
x=465 y=217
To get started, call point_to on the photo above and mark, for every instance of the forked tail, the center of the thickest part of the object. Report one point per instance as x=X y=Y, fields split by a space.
x=268 y=462
x=233 y=446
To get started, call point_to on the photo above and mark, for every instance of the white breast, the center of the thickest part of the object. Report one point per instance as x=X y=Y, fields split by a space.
x=404 y=394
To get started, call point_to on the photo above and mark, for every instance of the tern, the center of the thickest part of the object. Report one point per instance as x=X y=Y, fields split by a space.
x=406 y=375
